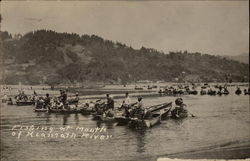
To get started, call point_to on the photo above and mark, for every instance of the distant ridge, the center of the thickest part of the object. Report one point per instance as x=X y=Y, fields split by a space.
x=243 y=58
x=48 y=57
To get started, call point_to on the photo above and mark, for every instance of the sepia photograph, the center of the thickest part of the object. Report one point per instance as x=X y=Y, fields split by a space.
x=143 y=80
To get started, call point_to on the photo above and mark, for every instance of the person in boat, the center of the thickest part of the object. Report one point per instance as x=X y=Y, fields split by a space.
x=34 y=93
x=24 y=96
x=47 y=101
x=40 y=103
x=220 y=88
x=180 y=108
x=238 y=91
x=63 y=97
x=77 y=97
x=127 y=104
x=110 y=102
x=139 y=110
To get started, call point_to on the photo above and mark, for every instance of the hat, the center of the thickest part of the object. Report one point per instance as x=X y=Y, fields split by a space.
x=140 y=98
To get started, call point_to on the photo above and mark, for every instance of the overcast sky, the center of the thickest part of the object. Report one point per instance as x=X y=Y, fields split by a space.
x=213 y=27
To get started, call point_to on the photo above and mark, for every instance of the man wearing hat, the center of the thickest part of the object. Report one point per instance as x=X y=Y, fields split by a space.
x=127 y=104
x=110 y=102
x=139 y=112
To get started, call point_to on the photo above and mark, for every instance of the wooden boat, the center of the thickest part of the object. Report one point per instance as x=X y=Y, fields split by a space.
x=66 y=110
x=221 y=93
x=155 y=117
x=181 y=115
x=194 y=92
x=138 y=88
x=211 y=93
x=246 y=92
x=203 y=92
x=25 y=103
x=40 y=110
x=87 y=111
x=122 y=120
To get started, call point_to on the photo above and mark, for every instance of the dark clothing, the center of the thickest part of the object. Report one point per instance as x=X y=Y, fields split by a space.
x=46 y=101
x=110 y=103
x=63 y=98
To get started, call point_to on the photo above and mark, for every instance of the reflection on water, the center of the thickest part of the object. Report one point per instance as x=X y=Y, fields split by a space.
x=140 y=138
x=65 y=119
x=220 y=120
x=76 y=118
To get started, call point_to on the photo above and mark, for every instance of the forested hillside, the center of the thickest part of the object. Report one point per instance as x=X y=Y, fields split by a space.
x=48 y=57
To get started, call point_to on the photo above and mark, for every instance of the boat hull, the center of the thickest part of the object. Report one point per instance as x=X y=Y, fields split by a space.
x=21 y=103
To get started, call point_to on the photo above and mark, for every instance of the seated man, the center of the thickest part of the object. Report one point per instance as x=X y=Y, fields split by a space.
x=180 y=107
x=47 y=101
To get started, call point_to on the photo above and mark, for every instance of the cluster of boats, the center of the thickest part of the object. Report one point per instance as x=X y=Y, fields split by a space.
x=205 y=90
x=153 y=115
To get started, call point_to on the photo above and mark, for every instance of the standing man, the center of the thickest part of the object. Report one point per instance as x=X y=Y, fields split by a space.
x=63 y=97
x=140 y=108
x=127 y=104
x=47 y=101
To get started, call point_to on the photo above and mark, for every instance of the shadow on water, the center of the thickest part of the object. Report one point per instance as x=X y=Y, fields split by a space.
x=65 y=119
x=47 y=116
x=141 y=142
x=76 y=119
x=108 y=125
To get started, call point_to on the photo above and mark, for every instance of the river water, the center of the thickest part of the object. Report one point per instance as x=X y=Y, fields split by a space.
x=219 y=121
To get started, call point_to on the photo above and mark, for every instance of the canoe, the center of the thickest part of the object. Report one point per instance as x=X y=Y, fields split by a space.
x=211 y=93
x=203 y=92
x=193 y=92
x=151 y=120
x=40 y=110
x=87 y=111
x=122 y=120
x=25 y=103
x=64 y=111
x=146 y=123
x=247 y=93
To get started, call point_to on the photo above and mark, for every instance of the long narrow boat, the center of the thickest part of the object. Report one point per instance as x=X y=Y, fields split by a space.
x=64 y=111
x=87 y=111
x=40 y=110
x=25 y=103
x=149 y=122
x=122 y=120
